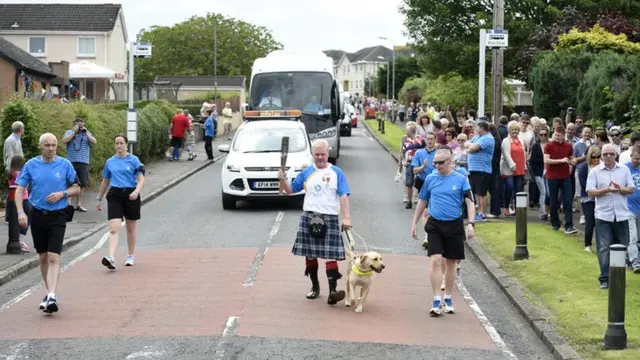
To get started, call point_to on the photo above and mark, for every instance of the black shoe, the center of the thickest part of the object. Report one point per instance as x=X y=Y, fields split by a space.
x=315 y=285
x=52 y=305
x=407 y=204
x=335 y=297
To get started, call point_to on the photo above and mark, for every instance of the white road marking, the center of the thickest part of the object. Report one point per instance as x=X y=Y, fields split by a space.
x=493 y=333
x=229 y=329
x=30 y=290
x=14 y=352
x=148 y=353
x=257 y=262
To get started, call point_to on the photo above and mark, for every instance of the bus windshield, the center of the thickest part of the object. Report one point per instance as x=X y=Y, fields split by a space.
x=309 y=92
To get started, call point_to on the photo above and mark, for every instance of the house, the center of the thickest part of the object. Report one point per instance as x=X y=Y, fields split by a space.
x=92 y=38
x=22 y=73
x=357 y=70
x=195 y=87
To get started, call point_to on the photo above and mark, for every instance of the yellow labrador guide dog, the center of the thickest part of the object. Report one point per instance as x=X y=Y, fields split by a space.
x=360 y=270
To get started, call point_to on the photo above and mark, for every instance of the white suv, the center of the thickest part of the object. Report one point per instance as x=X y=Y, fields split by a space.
x=250 y=171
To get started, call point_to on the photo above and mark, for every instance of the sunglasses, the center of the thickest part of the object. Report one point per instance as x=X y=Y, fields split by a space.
x=609 y=154
x=440 y=162
x=595 y=157
x=543 y=134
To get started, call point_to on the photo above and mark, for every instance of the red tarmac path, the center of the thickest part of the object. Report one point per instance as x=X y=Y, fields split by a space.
x=194 y=291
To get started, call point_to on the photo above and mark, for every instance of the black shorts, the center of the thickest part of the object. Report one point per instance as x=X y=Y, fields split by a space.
x=176 y=141
x=119 y=205
x=446 y=238
x=481 y=182
x=418 y=184
x=82 y=171
x=47 y=230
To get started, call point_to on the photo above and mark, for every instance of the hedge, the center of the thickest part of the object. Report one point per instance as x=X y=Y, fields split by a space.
x=596 y=40
x=104 y=122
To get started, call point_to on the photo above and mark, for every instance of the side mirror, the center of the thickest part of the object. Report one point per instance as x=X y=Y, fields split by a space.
x=223 y=148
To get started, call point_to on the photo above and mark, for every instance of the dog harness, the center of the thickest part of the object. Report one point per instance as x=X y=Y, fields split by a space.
x=355 y=269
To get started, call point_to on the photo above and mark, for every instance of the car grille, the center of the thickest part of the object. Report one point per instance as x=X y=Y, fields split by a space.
x=252 y=184
x=237 y=184
x=265 y=168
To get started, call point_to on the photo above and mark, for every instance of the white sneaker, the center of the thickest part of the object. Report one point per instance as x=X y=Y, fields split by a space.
x=109 y=262
x=582 y=220
x=130 y=261
x=448 y=306
x=588 y=249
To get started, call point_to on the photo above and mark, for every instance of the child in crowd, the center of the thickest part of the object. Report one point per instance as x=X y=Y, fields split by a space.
x=191 y=138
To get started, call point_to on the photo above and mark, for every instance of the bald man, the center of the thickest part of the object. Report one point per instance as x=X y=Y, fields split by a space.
x=53 y=180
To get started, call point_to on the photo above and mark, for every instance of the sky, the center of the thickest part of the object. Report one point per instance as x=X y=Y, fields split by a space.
x=347 y=25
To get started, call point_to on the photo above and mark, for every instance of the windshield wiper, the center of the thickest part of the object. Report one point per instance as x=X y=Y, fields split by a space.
x=260 y=151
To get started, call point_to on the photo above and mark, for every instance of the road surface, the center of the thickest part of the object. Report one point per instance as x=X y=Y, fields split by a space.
x=218 y=284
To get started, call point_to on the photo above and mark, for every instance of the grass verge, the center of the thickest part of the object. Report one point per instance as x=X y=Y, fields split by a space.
x=564 y=278
x=391 y=137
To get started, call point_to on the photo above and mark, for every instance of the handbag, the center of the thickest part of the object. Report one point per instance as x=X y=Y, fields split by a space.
x=317 y=226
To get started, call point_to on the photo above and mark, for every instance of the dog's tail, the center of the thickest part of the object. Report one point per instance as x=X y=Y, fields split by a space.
x=349 y=244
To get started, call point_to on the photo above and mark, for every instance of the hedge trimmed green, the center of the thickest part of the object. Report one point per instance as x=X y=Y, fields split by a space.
x=104 y=122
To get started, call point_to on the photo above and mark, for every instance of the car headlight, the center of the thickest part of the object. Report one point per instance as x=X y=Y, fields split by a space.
x=233 y=168
x=300 y=167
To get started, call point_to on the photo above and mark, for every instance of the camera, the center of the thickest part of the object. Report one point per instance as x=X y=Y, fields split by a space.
x=84 y=130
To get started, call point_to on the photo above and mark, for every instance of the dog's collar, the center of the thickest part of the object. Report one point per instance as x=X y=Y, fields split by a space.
x=356 y=270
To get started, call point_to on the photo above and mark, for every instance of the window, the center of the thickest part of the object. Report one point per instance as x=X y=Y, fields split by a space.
x=86 y=46
x=37 y=46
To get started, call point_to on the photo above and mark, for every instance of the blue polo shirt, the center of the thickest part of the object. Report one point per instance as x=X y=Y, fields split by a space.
x=122 y=171
x=480 y=161
x=46 y=178
x=445 y=195
x=419 y=158
x=633 y=200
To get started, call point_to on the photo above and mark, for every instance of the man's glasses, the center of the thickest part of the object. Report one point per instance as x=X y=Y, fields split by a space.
x=440 y=162
x=609 y=154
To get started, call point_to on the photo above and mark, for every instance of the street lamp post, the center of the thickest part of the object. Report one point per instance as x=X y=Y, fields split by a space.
x=381 y=58
x=393 y=75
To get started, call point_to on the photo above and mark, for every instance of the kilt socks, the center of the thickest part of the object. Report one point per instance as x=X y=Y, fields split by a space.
x=333 y=275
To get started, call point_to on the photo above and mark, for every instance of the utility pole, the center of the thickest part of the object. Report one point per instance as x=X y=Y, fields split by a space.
x=497 y=63
x=215 y=57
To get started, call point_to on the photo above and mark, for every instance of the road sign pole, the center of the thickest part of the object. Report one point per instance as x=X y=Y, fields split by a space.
x=482 y=71
x=132 y=49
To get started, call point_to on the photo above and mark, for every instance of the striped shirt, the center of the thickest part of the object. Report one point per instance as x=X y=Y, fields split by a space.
x=78 y=149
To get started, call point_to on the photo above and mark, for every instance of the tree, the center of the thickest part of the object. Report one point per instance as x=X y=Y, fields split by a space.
x=187 y=48
x=447 y=31
x=406 y=67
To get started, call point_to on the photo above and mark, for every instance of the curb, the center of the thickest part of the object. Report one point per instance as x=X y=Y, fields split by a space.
x=545 y=330
x=380 y=141
x=33 y=261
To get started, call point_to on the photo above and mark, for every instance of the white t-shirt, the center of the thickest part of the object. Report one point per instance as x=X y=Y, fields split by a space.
x=323 y=189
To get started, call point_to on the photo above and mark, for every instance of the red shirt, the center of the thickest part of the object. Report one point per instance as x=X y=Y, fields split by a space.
x=518 y=157
x=558 y=151
x=180 y=124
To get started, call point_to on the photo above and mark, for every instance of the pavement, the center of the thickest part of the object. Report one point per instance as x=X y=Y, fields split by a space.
x=210 y=283
x=158 y=174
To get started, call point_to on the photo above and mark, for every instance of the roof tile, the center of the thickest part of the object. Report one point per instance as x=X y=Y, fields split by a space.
x=59 y=17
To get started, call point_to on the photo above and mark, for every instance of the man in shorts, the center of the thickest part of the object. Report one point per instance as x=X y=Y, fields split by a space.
x=480 y=149
x=445 y=191
x=79 y=142
x=52 y=180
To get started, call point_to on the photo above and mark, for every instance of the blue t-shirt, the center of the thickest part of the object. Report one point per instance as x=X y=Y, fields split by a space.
x=79 y=149
x=445 y=195
x=480 y=161
x=419 y=158
x=46 y=178
x=208 y=127
x=122 y=171
x=634 y=199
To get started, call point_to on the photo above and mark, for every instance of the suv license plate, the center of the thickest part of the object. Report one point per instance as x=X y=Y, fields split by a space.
x=266 y=184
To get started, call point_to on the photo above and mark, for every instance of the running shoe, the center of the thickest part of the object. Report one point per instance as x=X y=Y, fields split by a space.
x=435 y=310
x=130 y=261
x=448 y=306
x=43 y=304
x=52 y=305
x=109 y=262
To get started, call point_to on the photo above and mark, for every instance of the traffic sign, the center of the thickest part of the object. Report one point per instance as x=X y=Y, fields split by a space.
x=497 y=38
x=142 y=50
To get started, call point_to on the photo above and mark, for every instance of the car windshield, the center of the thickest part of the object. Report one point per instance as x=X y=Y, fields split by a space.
x=269 y=140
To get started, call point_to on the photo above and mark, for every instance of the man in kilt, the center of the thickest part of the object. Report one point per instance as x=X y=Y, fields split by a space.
x=319 y=232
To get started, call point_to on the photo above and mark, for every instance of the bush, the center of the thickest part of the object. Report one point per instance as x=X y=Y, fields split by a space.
x=595 y=40
x=104 y=122
x=610 y=87
x=555 y=78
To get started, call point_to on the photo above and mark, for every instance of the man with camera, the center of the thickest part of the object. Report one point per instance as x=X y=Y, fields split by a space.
x=79 y=141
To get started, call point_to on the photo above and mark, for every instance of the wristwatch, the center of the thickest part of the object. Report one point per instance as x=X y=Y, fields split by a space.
x=64 y=193
x=98 y=198
x=472 y=224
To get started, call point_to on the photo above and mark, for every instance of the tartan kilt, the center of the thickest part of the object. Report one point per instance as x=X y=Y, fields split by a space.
x=331 y=247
